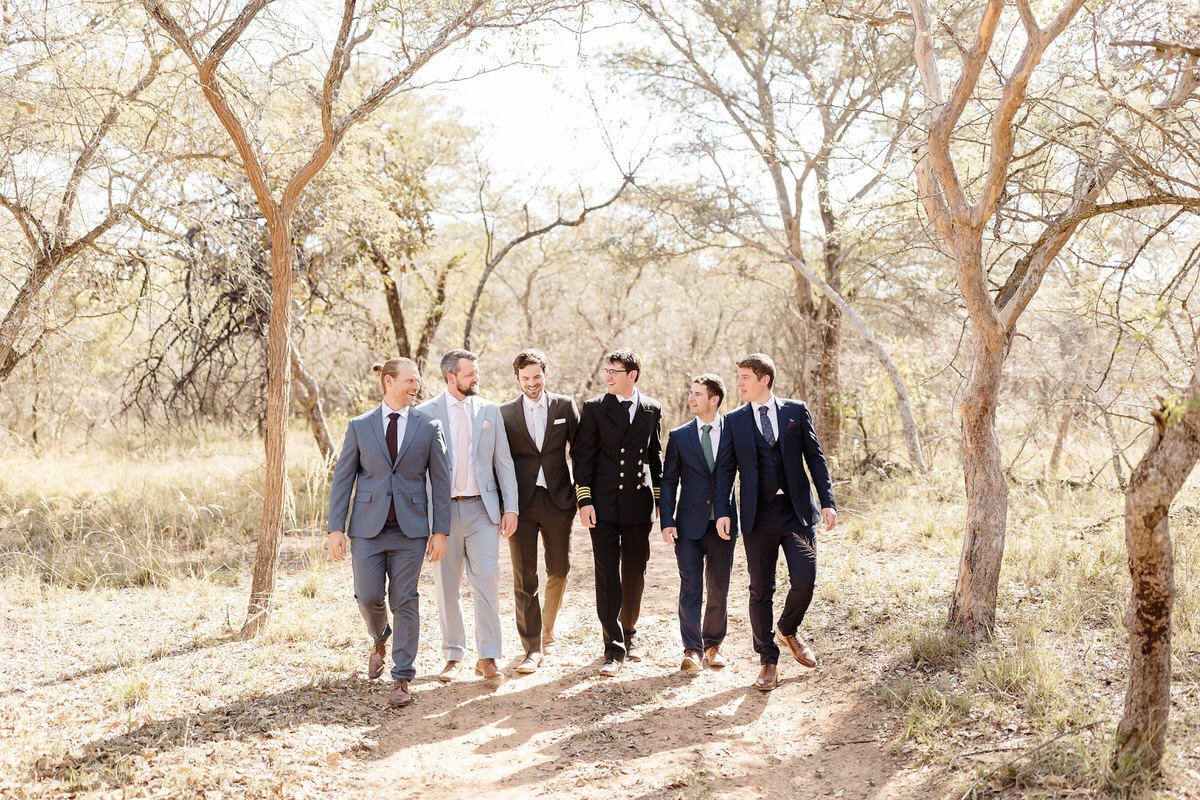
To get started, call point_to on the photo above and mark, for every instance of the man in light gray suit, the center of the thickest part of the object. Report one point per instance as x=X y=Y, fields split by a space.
x=388 y=456
x=483 y=491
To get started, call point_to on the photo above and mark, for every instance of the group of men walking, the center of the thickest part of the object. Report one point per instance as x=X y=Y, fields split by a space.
x=446 y=480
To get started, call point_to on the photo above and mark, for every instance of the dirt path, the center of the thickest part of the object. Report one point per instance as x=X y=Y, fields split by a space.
x=140 y=692
x=653 y=732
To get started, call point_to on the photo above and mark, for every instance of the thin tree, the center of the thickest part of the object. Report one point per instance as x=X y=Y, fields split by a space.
x=1158 y=477
x=961 y=221
x=424 y=31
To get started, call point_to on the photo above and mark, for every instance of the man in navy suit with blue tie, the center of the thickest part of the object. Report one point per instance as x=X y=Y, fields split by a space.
x=772 y=440
x=688 y=517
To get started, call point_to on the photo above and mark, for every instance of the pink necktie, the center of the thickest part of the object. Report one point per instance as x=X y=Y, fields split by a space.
x=462 y=449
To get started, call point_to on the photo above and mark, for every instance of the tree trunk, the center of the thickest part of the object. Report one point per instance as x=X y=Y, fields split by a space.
x=262 y=584
x=1142 y=733
x=973 y=604
x=18 y=312
x=309 y=392
x=826 y=381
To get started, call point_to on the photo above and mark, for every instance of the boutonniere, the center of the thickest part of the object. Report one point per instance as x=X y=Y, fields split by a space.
x=791 y=422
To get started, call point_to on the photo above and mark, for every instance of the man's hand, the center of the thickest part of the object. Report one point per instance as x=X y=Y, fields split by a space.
x=587 y=516
x=670 y=534
x=829 y=517
x=436 y=548
x=723 y=527
x=508 y=524
x=335 y=544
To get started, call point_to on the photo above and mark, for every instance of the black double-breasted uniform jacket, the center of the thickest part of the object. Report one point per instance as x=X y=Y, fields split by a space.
x=618 y=463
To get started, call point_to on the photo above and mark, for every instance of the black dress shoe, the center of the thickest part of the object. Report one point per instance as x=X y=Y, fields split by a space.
x=632 y=651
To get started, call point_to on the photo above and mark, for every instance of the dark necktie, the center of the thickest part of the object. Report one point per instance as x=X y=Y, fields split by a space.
x=392 y=448
x=625 y=406
x=768 y=431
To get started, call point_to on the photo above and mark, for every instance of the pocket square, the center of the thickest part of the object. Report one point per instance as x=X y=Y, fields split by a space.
x=486 y=425
x=791 y=422
x=560 y=421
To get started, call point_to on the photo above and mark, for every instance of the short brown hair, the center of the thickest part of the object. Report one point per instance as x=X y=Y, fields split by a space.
x=626 y=358
x=760 y=364
x=529 y=357
x=391 y=367
x=713 y=384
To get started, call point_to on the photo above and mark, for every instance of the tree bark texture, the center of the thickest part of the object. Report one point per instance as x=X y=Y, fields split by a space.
x=266 y=554
x=1142 y=732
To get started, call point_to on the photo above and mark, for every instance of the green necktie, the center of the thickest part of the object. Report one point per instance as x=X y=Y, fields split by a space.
x=706 y=446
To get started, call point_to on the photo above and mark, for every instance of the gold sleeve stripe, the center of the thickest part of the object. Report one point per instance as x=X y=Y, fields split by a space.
x=657 y=493
x=583 y=492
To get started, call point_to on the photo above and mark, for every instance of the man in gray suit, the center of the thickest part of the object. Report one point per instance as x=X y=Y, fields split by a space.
x=388 y=455
x=483 y=492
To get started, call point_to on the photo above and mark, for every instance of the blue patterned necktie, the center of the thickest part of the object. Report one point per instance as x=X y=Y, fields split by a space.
x=768 y=431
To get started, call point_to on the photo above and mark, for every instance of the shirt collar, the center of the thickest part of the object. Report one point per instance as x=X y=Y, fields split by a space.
x=451 y=400
x=385 y=410
x=716 y=423
x=543 y=401
x=771 y=404
x=634 y=397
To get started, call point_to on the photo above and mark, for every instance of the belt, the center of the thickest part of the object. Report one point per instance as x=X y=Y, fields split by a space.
x=462 y=497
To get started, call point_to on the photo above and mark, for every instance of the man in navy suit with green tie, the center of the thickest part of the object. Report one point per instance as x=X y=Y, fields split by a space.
x=773 y=440
x=705 y=557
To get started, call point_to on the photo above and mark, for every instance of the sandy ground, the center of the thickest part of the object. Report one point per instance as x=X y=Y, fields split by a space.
x=140 y=692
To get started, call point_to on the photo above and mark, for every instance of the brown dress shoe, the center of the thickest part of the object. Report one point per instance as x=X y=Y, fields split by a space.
x=800 y=649
x=548 y=643
x=450 y=671
x=378 y=658
x=767 y=679
x=399 y=695
x=488 y=669
x=714 y=658
x=691 y=661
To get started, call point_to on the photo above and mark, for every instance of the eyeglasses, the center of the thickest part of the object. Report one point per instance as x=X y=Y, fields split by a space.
x=611 y=372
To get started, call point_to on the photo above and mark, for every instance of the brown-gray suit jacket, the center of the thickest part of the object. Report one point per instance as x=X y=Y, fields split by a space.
x=561 y=422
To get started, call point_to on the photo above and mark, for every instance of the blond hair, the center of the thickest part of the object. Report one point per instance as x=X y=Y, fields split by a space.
x=391 y=367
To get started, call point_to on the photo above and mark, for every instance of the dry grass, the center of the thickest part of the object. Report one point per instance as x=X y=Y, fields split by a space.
x=120 y=591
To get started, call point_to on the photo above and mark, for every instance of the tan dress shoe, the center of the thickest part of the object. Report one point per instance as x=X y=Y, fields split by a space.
x=549 y=643
x=399 y=695
x=714 y=658
x=530 y=664
x=800 y=649
x=378 y=659
x=610 y=669
x=691 y=661
x=450 y=671
x=488 y=669
x=767 y=678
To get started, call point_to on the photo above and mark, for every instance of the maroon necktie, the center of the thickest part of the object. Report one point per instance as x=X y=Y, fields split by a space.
x=392 y=448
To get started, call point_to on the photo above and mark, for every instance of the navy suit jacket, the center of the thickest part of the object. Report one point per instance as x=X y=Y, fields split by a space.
x=686 y=476
x=800 y=447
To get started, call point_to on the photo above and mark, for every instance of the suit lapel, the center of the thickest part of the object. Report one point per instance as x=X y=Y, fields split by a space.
x=376 y=425
x=410 y=432
x=516 y=421
x=618 y=415
x=784 y=416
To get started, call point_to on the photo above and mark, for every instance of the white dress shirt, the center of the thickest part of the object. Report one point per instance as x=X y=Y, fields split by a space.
x=772 y=406
x=714 y=435
x=633 y=408
x=454 y=407
x=401 y=423
x=532 y=410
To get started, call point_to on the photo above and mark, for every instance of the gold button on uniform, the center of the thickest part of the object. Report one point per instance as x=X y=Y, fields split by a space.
x=620 y=486
x=620 y=474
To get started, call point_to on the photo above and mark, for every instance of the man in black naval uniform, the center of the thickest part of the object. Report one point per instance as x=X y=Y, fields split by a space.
x=617 y=455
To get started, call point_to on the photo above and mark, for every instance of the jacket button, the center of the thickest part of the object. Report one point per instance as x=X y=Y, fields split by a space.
x=620 y=486
x=708 y=502
x=622 y=449
x=620 y=474
x=622 y=462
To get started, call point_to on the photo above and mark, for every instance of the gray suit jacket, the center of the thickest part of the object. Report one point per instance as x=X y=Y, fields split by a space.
x=494 y=470
x=366 y=469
